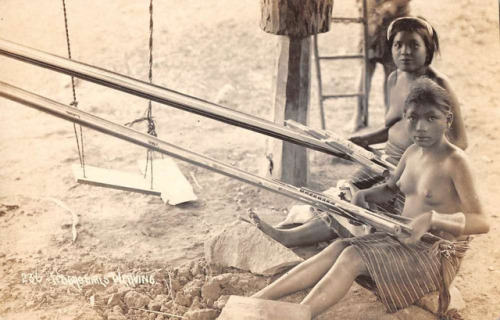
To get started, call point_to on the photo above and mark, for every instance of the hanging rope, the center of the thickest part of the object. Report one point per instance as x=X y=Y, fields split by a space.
x=74 y=103
x=148 y=114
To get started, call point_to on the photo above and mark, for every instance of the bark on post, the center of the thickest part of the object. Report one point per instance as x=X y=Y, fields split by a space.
x=295 y=21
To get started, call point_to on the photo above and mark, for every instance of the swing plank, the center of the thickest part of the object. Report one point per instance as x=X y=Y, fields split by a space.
x=244 y=308
x=113 y=179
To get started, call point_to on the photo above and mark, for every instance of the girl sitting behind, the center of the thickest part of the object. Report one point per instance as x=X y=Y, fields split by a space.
x=441 y=199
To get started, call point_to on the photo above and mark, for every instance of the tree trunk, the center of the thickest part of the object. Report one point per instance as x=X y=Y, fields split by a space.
x=296 y=18
x=291 y=100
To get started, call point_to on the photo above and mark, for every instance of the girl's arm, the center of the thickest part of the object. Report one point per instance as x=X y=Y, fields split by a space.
x=378 y=194
x=475 y=219
x=382 y=134
x=378 y=136
x=456 y=134
x=384 y=192
x=471 y=220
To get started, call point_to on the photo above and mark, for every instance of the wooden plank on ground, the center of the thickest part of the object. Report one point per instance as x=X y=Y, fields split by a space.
x=244 y=308
x=170 y=180
x=113 y=179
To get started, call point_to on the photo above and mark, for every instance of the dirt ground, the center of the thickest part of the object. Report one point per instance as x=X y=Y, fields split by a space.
x=212 y=49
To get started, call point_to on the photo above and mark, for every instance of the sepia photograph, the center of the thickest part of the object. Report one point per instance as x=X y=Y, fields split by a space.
x=250 y=159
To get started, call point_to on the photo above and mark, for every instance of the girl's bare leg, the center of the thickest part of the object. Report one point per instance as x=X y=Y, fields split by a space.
x=305 y=275
x=312 y=232
x=337 y=281
x=358 y=120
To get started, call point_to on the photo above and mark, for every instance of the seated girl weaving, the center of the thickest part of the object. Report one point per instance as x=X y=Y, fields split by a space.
x=440 y=199
x=414 y=43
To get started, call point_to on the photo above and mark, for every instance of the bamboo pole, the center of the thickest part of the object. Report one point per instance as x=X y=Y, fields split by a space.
x=86 y=119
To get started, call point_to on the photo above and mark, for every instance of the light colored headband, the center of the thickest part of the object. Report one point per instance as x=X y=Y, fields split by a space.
x=422 y=21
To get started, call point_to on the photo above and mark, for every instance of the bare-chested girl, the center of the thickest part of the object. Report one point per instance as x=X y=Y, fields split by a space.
x=413 y=42
x=440 y=198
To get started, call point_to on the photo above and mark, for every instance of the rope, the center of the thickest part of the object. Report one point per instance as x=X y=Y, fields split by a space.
x=74 y=103
x=149 y=116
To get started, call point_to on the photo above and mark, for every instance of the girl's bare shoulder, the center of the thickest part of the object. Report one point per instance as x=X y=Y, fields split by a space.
x=392 y=79
x=409 y=152
x=440 y=78
x=457 y=159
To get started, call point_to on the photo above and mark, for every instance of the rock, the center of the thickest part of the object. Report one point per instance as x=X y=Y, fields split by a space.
x=414 y=313
x=183 y=272
x=155 y=306
x=193 y=289
x=225 y=278
x=116 y=316
x=210 y=303
x=211 y=290
x=250 y=308
x=122 y=291
x=221 y=303
x=196 y=269
x=117 y=309
x=134 y=299
x=457 y=301
x=176 y=285
x=196 y=304
x=204 y=314
x=158 y=301
x=243 y=246
x=182 y=300
x=114 y=300
x=430 y=301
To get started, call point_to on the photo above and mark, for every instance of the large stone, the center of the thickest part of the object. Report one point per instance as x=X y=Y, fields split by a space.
x=243 y=246
x=414 y=313
x=259 y=309
x=431 y=301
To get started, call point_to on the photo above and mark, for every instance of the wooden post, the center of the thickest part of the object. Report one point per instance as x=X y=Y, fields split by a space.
x=295 y=21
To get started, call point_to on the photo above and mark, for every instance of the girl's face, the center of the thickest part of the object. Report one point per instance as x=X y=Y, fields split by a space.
x=426 y=124
x=408 y=51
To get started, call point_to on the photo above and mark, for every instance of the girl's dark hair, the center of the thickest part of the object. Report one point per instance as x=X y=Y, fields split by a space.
x=420 y=26
x=424 y=91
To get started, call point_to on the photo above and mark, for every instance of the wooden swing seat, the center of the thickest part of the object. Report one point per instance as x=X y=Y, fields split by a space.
x=169 y=182
x=113 y=179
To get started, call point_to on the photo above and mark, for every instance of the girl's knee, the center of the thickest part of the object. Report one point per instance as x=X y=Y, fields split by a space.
x=350 y=259
x=331 y=252
x=336 y=247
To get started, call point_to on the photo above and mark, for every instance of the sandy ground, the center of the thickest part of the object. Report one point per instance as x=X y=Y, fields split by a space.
x=200 y=48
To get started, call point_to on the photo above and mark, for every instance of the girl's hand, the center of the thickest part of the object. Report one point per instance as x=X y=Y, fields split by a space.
x=359 y=199
x=420 y=226
x=359 y=140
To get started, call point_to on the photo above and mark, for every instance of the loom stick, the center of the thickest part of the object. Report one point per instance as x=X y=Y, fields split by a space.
x=110 y=128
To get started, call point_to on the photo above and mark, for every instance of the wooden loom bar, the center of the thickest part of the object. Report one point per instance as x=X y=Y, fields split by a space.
x=110 y=128
x=164 y=96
